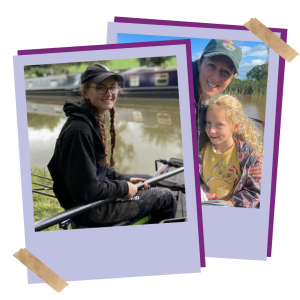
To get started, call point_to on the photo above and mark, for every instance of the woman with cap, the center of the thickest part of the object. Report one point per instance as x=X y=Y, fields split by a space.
x=79 y=169
x=212 y=73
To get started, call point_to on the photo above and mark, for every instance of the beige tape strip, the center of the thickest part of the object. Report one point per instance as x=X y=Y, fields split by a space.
x=271 y=39
x=40 y=269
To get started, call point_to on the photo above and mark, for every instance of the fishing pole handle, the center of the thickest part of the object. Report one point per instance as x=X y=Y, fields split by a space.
x=169 y=163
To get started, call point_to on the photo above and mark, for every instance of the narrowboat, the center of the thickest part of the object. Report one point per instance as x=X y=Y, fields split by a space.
x=54 y=85
x=149 y=82
x=141 y=82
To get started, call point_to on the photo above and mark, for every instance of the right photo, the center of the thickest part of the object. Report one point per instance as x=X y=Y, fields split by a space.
x=230 y=89
x=237 y=86
x=230 y=101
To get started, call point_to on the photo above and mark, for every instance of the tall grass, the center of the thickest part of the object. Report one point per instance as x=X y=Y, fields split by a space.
x=44 y=206
x=247 y=87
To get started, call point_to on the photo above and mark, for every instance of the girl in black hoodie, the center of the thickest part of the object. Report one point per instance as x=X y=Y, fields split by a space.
x=79 y=169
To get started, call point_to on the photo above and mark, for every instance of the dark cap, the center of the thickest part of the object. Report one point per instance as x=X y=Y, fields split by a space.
x=98 y=73
x=224 y=47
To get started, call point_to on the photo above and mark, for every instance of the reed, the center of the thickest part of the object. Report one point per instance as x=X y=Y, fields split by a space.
x=247 y=87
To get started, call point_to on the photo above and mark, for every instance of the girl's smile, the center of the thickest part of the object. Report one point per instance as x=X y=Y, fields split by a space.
x=219 y=129
x=103 y=102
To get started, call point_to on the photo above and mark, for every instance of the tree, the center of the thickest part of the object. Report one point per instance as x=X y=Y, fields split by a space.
x=259 y=72
x=153 y=61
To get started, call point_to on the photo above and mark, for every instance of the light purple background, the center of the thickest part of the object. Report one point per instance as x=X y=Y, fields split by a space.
x=112 y=252
x=229 y=232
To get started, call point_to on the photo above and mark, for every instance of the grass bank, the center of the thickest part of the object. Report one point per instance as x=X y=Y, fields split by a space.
x=44 y=206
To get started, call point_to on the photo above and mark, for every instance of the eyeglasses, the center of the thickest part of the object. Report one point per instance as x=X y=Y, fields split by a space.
x=103 y=89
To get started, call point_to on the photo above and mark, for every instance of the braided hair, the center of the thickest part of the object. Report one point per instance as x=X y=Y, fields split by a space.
x=102 y=127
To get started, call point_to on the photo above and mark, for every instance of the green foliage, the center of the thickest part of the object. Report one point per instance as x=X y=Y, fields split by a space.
x=44 y=206
x=123 y=64
x=117 y=64
x=247 y=87
x=258 y=72
x=153 y=61
x=171 y=62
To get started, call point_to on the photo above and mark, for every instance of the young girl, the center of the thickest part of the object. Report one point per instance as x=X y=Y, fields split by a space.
x=226 y=159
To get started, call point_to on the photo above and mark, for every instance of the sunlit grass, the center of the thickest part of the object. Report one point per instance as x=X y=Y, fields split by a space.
x=44 y=206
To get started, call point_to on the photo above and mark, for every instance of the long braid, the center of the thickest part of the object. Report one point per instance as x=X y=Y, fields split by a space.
x=113 y=135
x=103 y=132
x=102 y=127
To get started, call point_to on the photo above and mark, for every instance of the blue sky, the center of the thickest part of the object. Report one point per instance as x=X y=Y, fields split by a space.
x=254 y=53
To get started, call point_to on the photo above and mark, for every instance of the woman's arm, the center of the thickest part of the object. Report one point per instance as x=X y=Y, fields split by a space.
x=112 y=174
x=256 y=171
x=80 y=171
x=249 y=196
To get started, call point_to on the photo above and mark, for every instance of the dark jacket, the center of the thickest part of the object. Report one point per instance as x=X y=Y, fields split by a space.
x=247 y=190
x=77 y=175
x=201 y=136
x=195 y=83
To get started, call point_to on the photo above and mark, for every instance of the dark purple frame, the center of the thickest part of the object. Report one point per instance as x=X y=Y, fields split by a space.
x=186 y=42
x=283 y=35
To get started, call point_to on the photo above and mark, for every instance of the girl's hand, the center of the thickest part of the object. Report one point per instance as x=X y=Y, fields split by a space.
x=211 y=196
x=257 y=171
x=137 y=180
x=132 y=190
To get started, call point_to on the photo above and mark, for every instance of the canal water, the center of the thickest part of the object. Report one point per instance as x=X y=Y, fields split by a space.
x=147 y=129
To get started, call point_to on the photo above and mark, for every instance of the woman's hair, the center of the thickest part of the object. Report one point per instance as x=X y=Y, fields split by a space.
x=247 y=131
x=101 y=123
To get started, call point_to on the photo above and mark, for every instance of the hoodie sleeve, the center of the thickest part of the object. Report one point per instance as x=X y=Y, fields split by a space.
x=112 y=174
x=249 y=195
x=79 y=169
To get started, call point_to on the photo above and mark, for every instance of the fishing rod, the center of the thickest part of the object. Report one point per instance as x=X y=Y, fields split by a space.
x=169 y=163
x=258 y=121
x=50 y=221
x=41 y=177
x=47 y=187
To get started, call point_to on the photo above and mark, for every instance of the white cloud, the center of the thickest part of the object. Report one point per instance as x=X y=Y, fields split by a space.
x=253 y=63
x=259 y=50
x=246 y=67
x=196 y=55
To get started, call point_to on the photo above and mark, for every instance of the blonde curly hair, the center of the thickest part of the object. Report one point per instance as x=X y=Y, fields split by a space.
x=247 y=131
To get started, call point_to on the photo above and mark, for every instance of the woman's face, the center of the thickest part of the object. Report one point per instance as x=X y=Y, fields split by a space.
x=215 y=74
x=103 y=102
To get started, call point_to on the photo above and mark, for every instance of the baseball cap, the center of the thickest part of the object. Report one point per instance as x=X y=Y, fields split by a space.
x=224 y=47
x=97 y=73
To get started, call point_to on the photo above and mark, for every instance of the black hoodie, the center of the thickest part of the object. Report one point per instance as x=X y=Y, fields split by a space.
x=77 y=175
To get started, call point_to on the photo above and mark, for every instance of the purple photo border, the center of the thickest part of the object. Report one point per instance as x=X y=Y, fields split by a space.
x=187 y=43
x=183 y=23
x=283 y=36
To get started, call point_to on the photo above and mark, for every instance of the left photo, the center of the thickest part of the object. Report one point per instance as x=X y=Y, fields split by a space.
x=108 y=165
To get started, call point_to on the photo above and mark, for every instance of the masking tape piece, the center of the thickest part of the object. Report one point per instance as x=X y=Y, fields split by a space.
x=40 y=269
x=271 y=39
